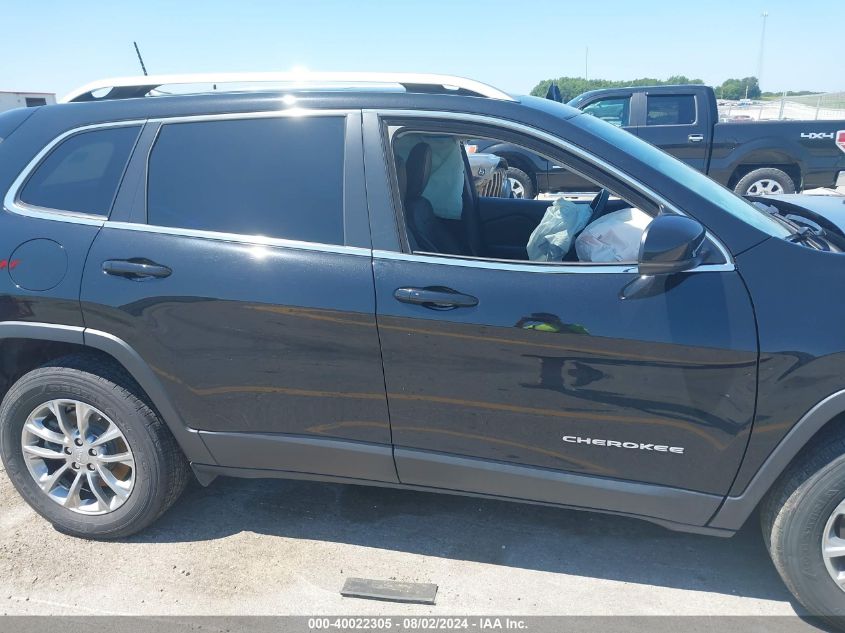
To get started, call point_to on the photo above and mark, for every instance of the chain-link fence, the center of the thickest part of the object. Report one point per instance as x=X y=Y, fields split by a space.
x=817 y=107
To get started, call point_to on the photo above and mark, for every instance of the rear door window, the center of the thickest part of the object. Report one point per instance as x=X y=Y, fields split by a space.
x=279 y=177
x=83 y=173
x=670 y=110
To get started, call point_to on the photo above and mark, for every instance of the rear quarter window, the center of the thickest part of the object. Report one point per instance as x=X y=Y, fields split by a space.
x=83 y=172
x=279 y=177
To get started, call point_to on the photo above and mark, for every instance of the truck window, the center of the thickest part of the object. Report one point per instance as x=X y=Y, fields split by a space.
x=614 y=110
x=279 y=177
x=671 y=110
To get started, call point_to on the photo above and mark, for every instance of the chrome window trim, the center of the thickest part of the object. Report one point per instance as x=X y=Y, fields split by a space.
x=572 y=149
x=13 y=203
x=241 y=238
x=289 y=111
x=251 y=240
x=530 y=267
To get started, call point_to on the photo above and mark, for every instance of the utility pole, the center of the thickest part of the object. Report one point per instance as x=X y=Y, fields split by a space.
x=765 y=16
x=140 y=59
x=586 y=64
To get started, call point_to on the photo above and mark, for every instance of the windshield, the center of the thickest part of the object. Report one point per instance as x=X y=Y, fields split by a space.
x=695 y=180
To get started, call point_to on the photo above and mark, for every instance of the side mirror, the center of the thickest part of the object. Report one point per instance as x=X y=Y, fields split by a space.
x=671 y=244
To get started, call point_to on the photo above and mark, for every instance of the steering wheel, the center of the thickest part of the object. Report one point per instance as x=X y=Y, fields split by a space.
x=599 y=203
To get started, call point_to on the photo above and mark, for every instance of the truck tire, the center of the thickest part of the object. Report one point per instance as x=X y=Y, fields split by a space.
x=803 y=521
x=765 y=182
x=521 y=184
x=86 y=452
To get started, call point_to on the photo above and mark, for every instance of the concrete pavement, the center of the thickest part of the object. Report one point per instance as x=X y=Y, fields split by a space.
x=243 y=547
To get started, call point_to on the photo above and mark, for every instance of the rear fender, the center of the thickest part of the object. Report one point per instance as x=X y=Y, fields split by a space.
x=188 y=439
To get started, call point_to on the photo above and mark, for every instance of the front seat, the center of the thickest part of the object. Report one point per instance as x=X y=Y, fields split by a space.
x=428 y=232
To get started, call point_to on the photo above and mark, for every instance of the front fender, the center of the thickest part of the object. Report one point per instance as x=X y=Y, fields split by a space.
x=736 y=509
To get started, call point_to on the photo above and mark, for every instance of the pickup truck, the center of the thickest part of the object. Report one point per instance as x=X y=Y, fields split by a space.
x=752 y=158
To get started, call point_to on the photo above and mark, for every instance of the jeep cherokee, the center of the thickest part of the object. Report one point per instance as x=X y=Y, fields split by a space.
x=288 y=278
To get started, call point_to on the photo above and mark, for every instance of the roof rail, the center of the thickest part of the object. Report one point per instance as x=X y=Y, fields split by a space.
x=130 y=87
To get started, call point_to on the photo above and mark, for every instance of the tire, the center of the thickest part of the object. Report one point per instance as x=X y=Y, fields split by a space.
x=154 y=477
x=764 y=182
x=522 y=183
x=794 y=517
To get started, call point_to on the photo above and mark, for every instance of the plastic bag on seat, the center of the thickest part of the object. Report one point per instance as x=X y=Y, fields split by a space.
x=614 y=237
x=552 y=238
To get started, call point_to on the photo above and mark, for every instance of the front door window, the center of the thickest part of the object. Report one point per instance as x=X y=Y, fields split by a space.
x=614 y=110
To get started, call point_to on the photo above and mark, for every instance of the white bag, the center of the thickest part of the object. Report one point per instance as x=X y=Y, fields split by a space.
x=614 y=237
x=552 y=238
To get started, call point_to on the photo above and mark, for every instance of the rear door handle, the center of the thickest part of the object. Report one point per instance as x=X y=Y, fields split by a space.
x=135 y=269
x=695 y=138
x=436 y=298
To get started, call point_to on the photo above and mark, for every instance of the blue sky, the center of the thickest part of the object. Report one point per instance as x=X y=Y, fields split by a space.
x=53 y=46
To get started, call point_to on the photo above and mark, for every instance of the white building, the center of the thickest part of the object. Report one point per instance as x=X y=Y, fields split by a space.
x=12 y=100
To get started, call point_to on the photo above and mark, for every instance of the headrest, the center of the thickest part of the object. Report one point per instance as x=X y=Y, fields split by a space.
x=402 y=177
x=418 y=170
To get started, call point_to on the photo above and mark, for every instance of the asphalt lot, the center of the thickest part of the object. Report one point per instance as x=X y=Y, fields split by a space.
x=244 y=547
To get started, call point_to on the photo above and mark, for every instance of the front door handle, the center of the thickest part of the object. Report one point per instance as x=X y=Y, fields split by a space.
x=135 y=269
x=695 y=138
x=436 y=298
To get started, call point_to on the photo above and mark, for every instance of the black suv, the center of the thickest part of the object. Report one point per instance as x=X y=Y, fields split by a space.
x=304 y=282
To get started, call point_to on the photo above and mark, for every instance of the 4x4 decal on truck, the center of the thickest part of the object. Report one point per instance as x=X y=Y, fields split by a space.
x=11 y=264
x=813 y=136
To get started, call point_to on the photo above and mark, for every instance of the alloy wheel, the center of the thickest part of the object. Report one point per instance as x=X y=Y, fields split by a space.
x=764 y=187
x=833 y=545
x=78 y=457
x=517 y=190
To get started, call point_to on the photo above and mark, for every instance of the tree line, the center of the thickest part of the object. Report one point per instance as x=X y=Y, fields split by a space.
x=571 y=87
